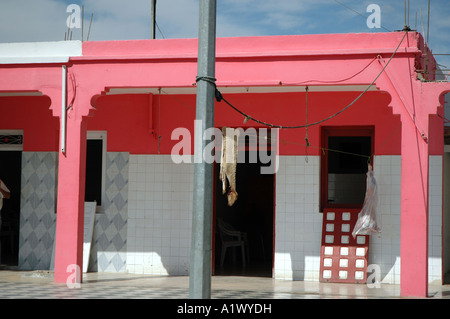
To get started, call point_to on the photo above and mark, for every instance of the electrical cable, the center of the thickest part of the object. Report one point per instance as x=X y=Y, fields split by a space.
x=157 y=26
x=219 y=98
x=306 y=121
x=323 y=149
x=358 y=13
x=335 y=81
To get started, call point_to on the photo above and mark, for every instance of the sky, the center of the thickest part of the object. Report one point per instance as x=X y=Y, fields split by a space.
x=46 y=20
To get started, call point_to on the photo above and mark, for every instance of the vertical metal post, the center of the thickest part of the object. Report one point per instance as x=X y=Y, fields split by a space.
x=428 y=23
x=63 y=109
x=200 y=259
x=153 y=19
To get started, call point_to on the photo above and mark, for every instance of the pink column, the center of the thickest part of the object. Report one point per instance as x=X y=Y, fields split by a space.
x=70 y=204
x=414 y=212
x=414 y=101
x=416 y=138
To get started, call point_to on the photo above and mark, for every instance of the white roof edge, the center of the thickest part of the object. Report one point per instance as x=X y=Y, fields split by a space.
x=39 y=52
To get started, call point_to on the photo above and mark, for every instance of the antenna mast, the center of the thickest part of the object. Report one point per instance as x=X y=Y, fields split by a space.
x=153 y=19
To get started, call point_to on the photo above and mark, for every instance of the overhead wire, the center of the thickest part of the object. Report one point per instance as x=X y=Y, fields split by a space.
x=358 y=13
x=219 y=98
x=159 y=29
x=323 y=149
x=333 y=81
x=306 y=121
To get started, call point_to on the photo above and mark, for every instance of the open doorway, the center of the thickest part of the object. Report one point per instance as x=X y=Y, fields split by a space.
x=252 y=214
x=10 y=173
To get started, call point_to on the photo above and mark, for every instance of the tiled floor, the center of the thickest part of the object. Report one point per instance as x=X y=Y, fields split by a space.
x=39 y=284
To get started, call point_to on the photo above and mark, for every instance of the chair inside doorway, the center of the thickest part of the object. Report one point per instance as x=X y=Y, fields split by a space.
x=232 y=238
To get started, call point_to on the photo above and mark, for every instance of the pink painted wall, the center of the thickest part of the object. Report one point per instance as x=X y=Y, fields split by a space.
x=126 y=118
x=33 y=116
x=240 y=62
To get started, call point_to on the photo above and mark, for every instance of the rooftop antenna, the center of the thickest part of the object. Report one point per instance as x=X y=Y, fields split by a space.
x=67 y=35
x=428 y=22
x=89 y=31
x=405 y=12
x=406 y=27
x=408 y=13
x=153 y=19
x=82 y=22
x=415 y=23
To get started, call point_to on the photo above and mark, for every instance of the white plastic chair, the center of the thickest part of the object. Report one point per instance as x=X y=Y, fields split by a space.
x=231 y=237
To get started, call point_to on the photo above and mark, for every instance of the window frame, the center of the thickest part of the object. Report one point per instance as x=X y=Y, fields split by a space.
x=11 y=147
x=337 y=131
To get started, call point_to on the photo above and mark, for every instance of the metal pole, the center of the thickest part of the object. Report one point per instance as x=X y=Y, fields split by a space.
x=428 y=24
x=63 y=108
x=200 y=259
x=153 y=19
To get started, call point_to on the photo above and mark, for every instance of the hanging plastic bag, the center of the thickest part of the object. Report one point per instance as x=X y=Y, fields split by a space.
x=367 y=222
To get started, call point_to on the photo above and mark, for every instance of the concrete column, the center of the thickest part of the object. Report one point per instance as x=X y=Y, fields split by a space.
x=415 y=101
x=414 y=212
x=70 y=204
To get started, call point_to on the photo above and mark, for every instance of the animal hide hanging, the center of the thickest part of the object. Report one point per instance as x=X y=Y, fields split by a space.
x=228 y=163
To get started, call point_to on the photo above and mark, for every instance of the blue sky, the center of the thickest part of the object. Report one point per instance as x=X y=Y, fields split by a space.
x=45 y=20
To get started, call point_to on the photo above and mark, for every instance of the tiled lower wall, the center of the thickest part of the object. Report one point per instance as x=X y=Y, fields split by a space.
x=435 y=220
x=384 y=249
x=37 y=210
x=159 y=215
x=298 y=221
x=109 y=249
x=146 y=227
x=38 y=218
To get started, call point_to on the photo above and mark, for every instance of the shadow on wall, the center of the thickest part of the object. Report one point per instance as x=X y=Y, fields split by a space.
x=298 y=223
x=384 y=248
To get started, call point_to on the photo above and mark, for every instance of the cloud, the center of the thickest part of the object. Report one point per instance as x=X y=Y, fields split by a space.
x=28 y=20
x=253 y=17
x=117 y=20
x=178 y=18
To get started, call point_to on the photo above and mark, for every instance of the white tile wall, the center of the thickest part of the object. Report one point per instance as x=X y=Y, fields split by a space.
x=159 y=215
x=384 y=249
x=298 y=223
x=298 y=220
x=435 y=220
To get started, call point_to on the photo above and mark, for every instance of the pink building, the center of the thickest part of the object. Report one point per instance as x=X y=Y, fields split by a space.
x=94 y=121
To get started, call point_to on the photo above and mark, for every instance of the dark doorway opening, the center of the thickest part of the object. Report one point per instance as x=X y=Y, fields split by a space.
x=10 y=173
x=94 y=160
x=344 y=164
x=253 y=214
